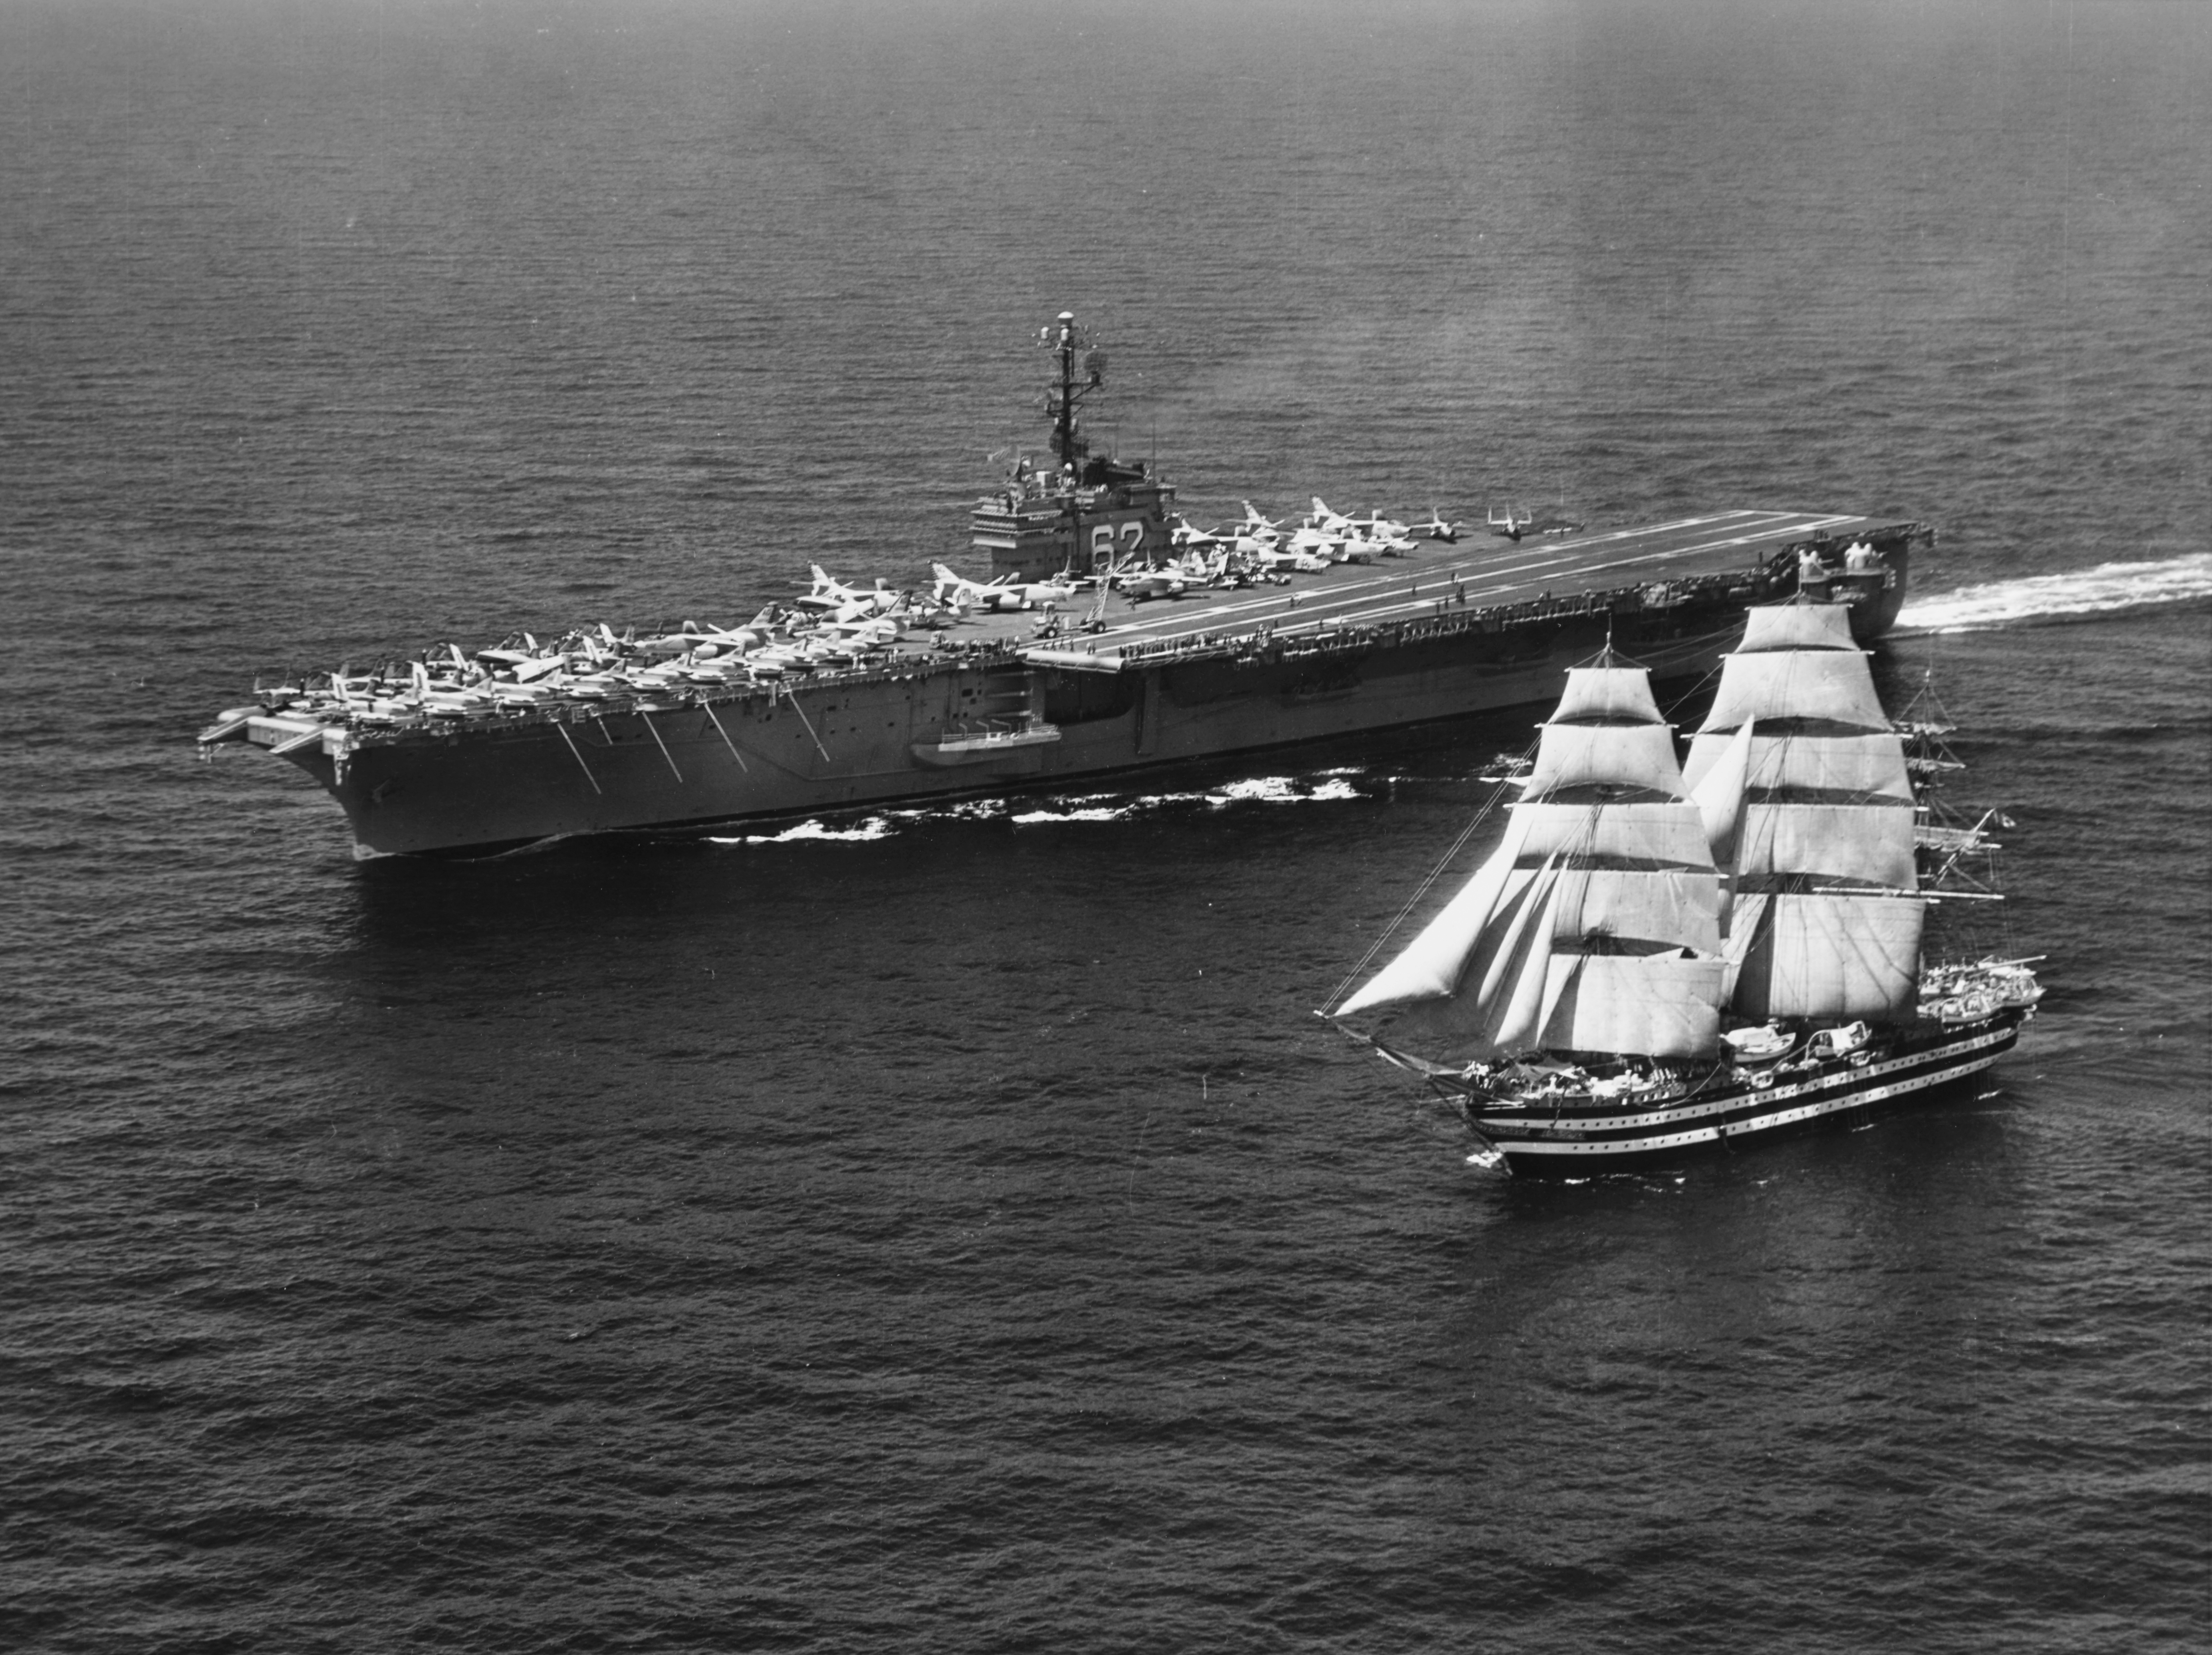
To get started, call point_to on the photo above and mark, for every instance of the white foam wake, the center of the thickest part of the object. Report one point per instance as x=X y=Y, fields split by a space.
x=1330 y=787
x=875 y=827
x=1258 y=790
x=2081 y=591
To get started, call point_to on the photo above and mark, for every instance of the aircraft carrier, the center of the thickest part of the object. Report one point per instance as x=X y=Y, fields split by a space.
x=1139 y=658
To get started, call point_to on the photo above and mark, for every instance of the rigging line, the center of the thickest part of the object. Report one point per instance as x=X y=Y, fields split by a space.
x=1609 y=655
x=1435 y=874
x=1691 y=694
x=1712 y=672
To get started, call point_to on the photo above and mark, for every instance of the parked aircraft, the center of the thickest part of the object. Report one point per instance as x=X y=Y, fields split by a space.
x=1292 y=557
x=1139 y=584
x=1003 y=593
x=1185 y=538
x=831 y=596
x=1389 y=537
x=1512 y=525
x=1256 y=526
x=1328 y=522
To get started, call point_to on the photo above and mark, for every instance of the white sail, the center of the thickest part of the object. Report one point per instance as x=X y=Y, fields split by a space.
x=1640 y=757
x=1831 y=956
x=1671 y=907
x=1501 y=951
x=1850 y=844
x=1717 y=791
x=1519 y=1017
x=1846 y=768
x=1615 y=695
x=1746 y=916
x=1649 y=834
x=1797 y=626
x=1657 y=1006
x=1433 y=964
x=1586 y=896
x=1829 y=685
x=1466 y=1023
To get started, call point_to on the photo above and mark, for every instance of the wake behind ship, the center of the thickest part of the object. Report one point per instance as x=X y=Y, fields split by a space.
x=1144 y=643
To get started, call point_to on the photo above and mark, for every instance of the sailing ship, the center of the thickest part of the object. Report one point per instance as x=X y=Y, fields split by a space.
x=1661 y=960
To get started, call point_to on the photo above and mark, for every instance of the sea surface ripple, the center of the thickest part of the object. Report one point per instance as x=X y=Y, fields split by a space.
x=949 y=1230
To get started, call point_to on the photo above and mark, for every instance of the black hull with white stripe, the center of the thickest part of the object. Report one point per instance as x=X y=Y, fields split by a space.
x=1577 y=1136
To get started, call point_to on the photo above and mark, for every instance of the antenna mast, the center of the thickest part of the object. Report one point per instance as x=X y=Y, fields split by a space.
x=1075 y=381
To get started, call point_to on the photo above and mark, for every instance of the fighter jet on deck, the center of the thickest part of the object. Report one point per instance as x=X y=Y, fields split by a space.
x=1007 y=593
x=834 y=598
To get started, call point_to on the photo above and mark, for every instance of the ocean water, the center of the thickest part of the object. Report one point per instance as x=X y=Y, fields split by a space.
x=949 y=1230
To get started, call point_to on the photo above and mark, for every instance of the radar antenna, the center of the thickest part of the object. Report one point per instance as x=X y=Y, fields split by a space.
x=1082 y=369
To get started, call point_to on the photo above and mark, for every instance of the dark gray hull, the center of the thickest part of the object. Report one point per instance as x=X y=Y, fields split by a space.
x=1580 y=1141
x=1452 y=633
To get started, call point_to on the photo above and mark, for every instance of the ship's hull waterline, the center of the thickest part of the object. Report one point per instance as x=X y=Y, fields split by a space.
x=1580 y=1140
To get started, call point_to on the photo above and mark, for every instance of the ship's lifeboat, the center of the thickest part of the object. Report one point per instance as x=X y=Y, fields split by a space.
x=1976 y=1006
x=1756 y=1047
x=956 y=746
x=1831 y=1044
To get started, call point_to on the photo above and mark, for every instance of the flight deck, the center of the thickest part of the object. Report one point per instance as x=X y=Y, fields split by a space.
x=1436 y=579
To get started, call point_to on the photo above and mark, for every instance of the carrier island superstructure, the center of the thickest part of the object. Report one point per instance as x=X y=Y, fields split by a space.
x=1145 y=651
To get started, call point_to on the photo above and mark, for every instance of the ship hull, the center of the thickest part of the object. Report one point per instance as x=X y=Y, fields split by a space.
x=995 y=707
x=852 y=744
x=1581 y=1141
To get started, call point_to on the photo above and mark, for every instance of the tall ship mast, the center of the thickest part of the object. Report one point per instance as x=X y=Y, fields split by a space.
x=1659 y=960
x=1108 y=635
